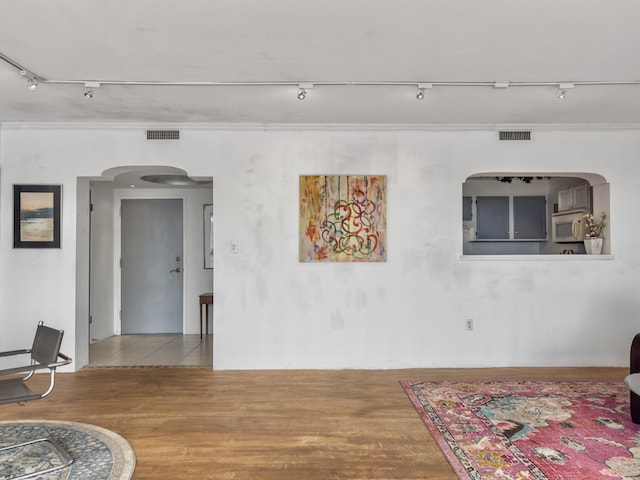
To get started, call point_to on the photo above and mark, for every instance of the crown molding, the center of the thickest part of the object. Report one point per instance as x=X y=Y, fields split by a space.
x=350 y=127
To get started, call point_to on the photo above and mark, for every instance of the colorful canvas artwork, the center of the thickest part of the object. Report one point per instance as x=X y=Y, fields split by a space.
x=343 y=218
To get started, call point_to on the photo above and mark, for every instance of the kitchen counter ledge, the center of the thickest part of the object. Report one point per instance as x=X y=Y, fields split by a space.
x=579 y=257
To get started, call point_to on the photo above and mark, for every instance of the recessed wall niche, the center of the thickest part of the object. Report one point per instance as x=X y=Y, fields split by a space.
x=513 y=213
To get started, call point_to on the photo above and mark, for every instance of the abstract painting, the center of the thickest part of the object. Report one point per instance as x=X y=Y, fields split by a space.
x=36 y=216
x=343 y=218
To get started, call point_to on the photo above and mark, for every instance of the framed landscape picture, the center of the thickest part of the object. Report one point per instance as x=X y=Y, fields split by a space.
x=36 y=216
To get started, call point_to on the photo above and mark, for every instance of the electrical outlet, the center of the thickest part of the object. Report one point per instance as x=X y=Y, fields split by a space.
x=233 y=246
x=468 y=324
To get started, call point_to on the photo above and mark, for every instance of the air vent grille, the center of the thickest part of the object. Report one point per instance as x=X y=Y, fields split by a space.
x=163 y=134
x=521 y=135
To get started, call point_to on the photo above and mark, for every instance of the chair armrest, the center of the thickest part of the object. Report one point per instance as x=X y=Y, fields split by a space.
x=14 y=352
x=23 y=369
x=66 y=360
x=39 y=366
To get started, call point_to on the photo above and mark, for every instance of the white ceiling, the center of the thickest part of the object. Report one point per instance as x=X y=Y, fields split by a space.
x=548 y=41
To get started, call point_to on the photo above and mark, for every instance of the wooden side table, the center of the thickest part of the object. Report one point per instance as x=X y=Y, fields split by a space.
x=206 y=299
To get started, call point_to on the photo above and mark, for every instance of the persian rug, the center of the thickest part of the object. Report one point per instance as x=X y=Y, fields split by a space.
x=97 y=453
x=531 y=430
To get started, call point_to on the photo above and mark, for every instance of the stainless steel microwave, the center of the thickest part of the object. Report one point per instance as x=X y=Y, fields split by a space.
x=568 y=227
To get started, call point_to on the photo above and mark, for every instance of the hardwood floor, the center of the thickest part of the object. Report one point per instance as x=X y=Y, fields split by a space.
x=195 y=423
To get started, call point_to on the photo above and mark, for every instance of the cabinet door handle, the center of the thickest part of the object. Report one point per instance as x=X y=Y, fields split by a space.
x=177 y=270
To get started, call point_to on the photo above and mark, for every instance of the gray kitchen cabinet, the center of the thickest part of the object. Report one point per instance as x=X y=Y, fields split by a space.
x=492 y=218
x=511 y=217
x=467 y=208
x=529 y=217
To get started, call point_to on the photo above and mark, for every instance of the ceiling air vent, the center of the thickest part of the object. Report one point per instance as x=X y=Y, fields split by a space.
x=163 y=134
x=522 y=135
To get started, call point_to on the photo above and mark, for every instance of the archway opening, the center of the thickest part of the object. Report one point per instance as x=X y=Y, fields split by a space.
x=99 y=282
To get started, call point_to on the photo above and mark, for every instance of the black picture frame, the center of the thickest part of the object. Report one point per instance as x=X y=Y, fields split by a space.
x=36 y=216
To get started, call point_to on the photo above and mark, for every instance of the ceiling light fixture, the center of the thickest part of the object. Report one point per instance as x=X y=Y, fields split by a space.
x=302 y=90
x=32 y=84
x=177 y=180
x=88 y=89
x=562 y=89
x=32 y=79
x=421 y=89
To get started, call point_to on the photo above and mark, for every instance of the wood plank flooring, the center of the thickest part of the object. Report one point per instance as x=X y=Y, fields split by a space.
x=195 y=423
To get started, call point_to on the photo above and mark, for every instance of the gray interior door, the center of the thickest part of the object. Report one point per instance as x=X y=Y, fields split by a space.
x=151 y=268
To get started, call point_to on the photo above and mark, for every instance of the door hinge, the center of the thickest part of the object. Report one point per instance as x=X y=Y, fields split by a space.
x=90 y=319
x=120 y=262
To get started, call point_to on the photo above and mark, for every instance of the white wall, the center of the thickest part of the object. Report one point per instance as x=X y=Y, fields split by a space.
x=103 y=307
x=273 y=312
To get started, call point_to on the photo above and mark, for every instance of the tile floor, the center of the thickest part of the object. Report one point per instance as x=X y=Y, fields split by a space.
x=152 y=350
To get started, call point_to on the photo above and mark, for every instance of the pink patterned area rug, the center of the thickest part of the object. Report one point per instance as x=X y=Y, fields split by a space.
x=531 y=430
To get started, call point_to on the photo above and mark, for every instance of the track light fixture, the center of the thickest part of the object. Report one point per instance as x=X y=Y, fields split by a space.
x=32 y=84
x=88 y=89
x=562 y=89
x=421 y=89
x=32 y=79
x=302 y=90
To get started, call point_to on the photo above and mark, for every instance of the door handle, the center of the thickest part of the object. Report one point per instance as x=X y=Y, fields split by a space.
x=177 y=270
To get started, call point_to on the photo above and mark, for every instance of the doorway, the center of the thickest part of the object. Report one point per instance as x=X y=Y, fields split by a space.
x=177 y=341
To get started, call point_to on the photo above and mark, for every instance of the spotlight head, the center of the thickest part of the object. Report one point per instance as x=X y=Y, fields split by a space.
x=32 y=79
x=88 y=89
x=420 y=94
x=561 y=93
x=302 y=90
x=32 y=84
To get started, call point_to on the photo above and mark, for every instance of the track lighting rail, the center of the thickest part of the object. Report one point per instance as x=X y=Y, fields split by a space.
x=303 y=88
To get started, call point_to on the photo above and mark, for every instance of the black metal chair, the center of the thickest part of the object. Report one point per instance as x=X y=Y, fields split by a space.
x=45 y=355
